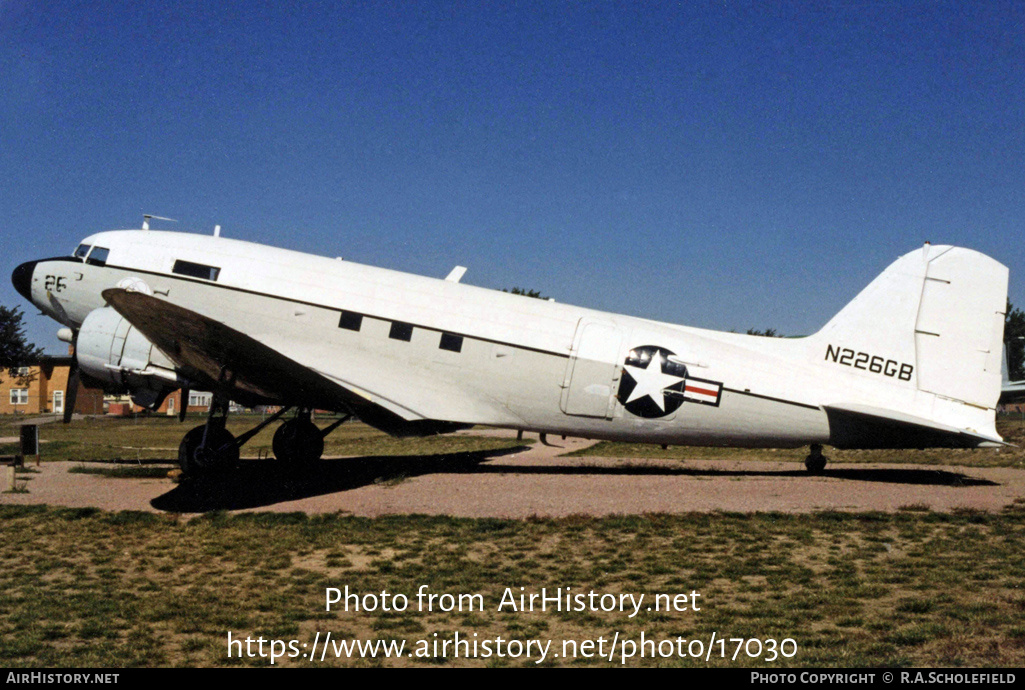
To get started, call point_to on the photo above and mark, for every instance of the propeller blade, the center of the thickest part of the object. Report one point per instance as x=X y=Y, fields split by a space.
x=185 y=404
x=72 y=392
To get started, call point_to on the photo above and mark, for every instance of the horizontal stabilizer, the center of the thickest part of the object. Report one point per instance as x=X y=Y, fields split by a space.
x=1012 y=392
x=863 y=426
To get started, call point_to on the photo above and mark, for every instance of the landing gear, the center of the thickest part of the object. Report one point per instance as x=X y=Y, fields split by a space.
x=298 y=441
x=207 y=450
x=816 y=462
x=210 y=448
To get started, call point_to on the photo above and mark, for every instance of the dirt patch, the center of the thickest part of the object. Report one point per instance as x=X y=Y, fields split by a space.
x=537 y=481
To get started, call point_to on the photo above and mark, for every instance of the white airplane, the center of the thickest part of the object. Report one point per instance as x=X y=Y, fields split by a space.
x=913 y=361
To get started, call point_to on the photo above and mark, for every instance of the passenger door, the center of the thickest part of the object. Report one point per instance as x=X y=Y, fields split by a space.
x=593 y=371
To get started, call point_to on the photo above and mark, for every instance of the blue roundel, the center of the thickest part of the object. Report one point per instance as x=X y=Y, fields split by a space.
x=652 y=385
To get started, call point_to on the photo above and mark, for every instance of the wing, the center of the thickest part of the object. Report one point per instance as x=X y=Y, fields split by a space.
x=215 y=355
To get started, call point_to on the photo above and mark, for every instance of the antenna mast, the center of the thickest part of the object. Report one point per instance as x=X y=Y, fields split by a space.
x=146 y=218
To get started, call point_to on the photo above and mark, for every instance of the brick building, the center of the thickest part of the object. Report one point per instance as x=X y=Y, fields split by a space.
x=43 y=389
x=172 y=405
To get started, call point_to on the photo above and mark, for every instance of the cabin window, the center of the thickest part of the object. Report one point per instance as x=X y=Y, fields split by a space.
x=401 y=331
x=82 y=250
x=451 y=342
x=187 y=268
x=98 y=256
x=350 y=320
x=19 y=396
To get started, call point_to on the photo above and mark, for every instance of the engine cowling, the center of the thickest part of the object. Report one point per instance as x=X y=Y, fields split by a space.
x=112 y=351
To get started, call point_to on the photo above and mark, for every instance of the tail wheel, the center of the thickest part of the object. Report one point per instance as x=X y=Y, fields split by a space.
x=816 y=462
x=219 y=455
x=298 y=441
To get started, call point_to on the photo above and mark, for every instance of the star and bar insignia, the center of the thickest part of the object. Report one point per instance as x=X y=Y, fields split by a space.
x=655 y=384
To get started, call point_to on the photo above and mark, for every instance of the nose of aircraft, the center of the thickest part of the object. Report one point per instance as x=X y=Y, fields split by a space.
x=22 y=279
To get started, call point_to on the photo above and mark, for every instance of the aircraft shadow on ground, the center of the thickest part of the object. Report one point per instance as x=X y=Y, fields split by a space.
x=259 y=483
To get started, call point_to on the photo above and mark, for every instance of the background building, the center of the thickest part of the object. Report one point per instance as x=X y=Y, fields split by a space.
x=43 y=389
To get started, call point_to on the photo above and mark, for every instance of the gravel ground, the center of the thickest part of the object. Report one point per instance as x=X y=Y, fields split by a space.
x=536 y=482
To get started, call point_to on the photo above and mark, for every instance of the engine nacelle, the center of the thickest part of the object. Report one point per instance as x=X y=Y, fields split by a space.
x=112 y=351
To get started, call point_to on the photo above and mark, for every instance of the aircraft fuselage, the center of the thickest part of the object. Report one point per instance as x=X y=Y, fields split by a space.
x=432 y=349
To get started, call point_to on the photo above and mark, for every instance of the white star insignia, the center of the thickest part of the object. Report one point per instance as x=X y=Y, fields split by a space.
x=651 y=381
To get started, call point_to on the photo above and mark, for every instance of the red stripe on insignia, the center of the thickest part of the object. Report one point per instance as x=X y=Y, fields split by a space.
x=704 y=391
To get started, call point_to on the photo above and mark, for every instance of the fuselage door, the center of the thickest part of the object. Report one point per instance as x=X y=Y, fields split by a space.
x=593 y=371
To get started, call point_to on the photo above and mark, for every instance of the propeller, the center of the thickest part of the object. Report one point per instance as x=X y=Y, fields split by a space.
x=185 y=404
x=74 y=379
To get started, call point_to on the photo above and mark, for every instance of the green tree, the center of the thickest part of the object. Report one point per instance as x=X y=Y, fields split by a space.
x=14 y=351
x=525 y=293
x=1014 y=331
x=768 y=332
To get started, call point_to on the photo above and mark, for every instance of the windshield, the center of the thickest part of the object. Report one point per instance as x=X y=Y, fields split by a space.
x=98 y=256
x=82 y=250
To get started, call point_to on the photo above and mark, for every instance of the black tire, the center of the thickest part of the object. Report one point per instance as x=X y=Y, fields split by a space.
x=220 y=454
x=298 y=441
x=815 y=463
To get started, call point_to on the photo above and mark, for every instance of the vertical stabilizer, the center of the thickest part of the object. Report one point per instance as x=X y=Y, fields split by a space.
x=937 y=313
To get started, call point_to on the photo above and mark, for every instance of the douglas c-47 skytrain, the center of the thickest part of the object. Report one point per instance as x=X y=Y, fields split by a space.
x=913 y=361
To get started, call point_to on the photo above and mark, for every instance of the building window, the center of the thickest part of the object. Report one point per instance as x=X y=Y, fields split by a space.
x=401 y=331
x=350 y=320
x=200 y=399
x=187 y=268
x=453 y=343
x=22 y=372
x=19 y=396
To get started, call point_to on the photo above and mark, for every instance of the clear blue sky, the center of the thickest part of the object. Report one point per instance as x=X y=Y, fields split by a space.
x=719 y=164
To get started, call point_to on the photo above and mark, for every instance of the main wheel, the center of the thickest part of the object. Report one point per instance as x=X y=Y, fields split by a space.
x=298 y=441
x=219 y=455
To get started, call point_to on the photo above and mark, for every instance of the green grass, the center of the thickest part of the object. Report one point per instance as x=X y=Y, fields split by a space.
x=82 y=587
x=157 y=438
x=145 y=439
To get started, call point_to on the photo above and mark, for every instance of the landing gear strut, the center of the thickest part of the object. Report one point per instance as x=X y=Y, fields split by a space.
x=816 y=462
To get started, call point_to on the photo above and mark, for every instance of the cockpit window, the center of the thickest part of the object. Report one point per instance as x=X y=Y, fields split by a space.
x=82 y=250
x=187 y=268
x=98 y=256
